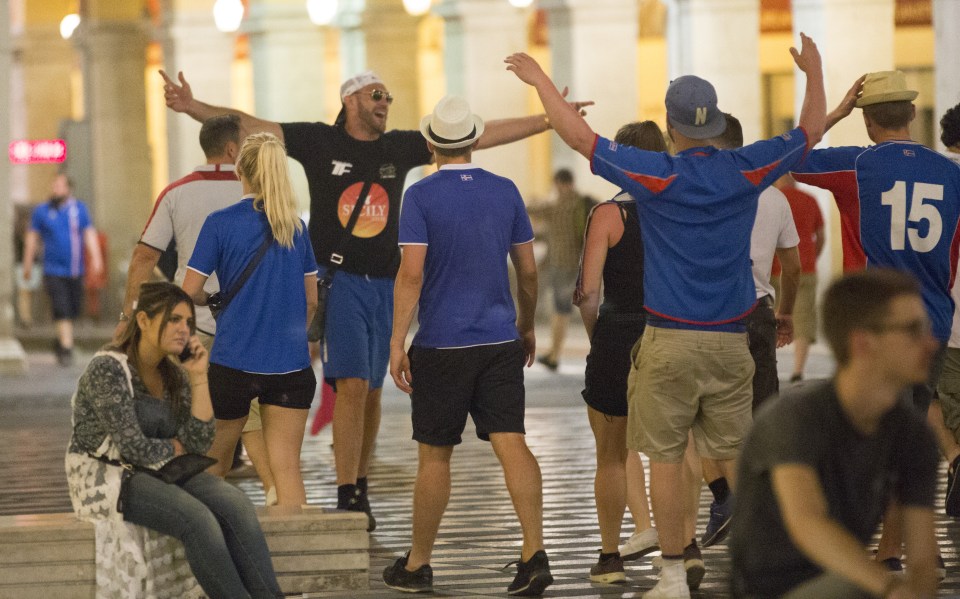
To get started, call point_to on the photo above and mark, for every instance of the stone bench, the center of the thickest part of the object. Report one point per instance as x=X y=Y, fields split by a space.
x=313 y=550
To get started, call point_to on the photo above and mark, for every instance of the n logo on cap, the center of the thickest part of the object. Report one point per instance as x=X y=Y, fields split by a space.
x=701 y=115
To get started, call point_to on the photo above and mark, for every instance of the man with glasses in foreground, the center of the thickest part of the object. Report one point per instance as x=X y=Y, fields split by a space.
x=825 y=459
x=338 y=159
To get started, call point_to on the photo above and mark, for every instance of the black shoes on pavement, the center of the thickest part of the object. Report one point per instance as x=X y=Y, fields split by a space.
x=398 y=578
x=533 y=576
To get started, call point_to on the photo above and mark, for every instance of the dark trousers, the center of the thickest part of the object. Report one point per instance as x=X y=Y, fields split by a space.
x=762 y=333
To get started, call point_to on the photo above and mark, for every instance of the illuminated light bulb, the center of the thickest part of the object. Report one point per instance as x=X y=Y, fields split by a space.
x=416 y=8
x=227 y=15
x=321 y=12
x=521 y=3
x=68 y=25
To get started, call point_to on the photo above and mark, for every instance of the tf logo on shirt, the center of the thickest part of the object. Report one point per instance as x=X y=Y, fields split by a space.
x=373 y=216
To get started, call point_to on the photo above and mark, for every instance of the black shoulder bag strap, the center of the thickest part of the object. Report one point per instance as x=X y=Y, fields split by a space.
x=251 y=266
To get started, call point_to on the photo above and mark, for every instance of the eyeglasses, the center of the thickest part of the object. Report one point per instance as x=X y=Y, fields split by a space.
x=378 y=94
x=915 y=329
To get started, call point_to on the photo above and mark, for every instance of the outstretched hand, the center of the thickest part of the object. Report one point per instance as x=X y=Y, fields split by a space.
x=526 y=68
x=177 y=97
x=808 y=58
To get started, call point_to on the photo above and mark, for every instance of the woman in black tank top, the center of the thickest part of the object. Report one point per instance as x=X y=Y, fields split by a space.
x=613 y=256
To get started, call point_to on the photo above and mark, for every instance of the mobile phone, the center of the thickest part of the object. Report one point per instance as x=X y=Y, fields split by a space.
x=186 y=354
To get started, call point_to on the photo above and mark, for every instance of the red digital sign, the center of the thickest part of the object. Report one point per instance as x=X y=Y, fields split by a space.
x=37 y=151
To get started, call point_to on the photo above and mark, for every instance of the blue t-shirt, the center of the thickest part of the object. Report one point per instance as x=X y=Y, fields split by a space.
x=264 y=328
x=468 y=218
x=696 y=213
x=899 y=205
x=61 y=229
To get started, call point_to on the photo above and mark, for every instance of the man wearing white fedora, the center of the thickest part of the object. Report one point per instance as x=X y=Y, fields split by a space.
x=456 y=229
x=338 y=160
x=899 y=205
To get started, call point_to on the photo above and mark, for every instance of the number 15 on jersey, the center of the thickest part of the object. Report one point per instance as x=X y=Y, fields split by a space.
x=914 y=208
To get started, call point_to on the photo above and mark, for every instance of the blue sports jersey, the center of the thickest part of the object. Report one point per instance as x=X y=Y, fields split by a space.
x=264 y=329
x=899 y=205
x=468 y=218
x=61 y=229
x=696 y=213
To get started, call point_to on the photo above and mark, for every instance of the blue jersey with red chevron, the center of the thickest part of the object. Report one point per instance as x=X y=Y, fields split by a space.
x=899 y=204
x=696 y=211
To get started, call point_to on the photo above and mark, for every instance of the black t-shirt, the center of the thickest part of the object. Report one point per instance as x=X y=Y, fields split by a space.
x=858 y=475
x=336 y=166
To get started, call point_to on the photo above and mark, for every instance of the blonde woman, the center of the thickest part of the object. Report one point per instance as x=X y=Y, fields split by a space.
x=260 y=349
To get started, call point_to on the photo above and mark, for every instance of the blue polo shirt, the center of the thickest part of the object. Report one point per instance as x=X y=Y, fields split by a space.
x=899 y=204
x=696 y=212
x=264 y=329
x=468 y=218
x=61 y=229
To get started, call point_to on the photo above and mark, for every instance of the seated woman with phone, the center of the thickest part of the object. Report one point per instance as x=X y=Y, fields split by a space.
x=136 y=411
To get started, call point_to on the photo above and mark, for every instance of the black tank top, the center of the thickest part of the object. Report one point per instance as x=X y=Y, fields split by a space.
x=623 y=269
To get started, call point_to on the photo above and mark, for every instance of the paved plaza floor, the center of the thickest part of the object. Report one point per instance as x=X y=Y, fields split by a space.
x=479 y=533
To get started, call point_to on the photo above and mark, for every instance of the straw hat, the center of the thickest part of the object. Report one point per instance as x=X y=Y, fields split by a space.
x=885 y=86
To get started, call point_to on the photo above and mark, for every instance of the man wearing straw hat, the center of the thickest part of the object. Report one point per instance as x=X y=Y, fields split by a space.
x=899 y=205
x=337 y=160
x=456 y=229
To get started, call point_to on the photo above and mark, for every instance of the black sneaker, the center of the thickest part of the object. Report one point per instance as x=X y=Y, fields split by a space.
x=693 y=564
x=397 y=577
x=951 y=502
x=719 y=524
x=365 y=507
x=608 y=570
x=533 y=576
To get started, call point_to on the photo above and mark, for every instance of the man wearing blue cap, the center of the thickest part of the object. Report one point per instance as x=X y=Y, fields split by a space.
x=338 y=159
x=696 y=212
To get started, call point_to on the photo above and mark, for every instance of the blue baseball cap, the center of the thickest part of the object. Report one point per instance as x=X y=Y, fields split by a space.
x=692 y=108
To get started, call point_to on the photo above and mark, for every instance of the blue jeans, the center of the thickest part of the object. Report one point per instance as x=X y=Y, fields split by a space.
x=219 y=530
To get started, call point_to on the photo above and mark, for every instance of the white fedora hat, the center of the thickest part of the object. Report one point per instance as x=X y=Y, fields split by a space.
x=451 y=125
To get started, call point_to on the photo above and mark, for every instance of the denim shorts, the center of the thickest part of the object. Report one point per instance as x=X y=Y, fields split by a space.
x=359 y=324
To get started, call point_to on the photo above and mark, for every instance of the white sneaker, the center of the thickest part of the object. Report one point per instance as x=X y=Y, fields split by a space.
x=672 y=584
x=640 y=544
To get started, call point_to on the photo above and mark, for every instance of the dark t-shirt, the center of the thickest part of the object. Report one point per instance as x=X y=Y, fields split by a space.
x=858 y=475
x=336 y=166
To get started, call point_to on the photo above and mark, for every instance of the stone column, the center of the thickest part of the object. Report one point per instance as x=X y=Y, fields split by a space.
x=287 y=53
x=353 y=39
x=114 y=43
x=392 y=45
x=192 y=44
x=854 y=37
x=946 y=24
x=719 y=40
x=13 y=360
x=593 y=48
x=478 y=35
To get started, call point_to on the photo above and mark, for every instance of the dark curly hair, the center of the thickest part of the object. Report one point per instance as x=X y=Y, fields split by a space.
x=950 y=127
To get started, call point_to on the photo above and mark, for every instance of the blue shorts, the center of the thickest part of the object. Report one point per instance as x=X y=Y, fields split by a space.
x=359 y=324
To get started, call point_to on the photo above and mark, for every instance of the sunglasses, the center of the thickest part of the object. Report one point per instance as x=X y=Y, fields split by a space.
x=378 y=94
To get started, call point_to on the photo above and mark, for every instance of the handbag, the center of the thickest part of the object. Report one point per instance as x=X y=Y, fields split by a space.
x=319 y=323
x=218 y=302
x=177 y=471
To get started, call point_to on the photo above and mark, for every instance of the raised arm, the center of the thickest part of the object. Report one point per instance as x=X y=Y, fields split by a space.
x=564 y=117
x=814 y=112
x=141 y=267
x=821 y=538
x=525 y=264
x=179 y=98
x=504 y=131
x=406 y=296
x=846 y=105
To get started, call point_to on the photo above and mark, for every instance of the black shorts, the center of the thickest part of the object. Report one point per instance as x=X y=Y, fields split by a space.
x=608 y=363
x=66 y=296
x=485 y=381
x=231 y=391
